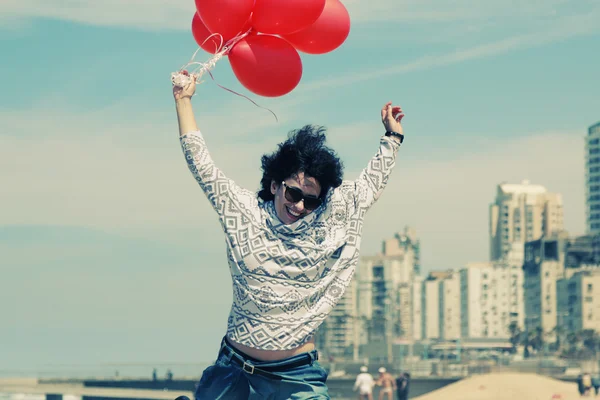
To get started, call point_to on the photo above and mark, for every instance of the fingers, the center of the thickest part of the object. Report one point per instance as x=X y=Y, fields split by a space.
x=397 y=113
x=384 y=110
x=176 y=91
x=392 y=113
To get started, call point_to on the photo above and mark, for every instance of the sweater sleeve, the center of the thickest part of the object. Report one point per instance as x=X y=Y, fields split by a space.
x=374 y=177
x=227 y=198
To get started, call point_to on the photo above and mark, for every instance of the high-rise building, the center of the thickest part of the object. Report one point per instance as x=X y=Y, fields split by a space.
x=521 y=213
x=417 y=303
x=487 y=298
x=430 y=304
x=338 y=334
x=450 y=324
x=544 y=265
x=592 y=178
x=513 y=262
x=385 y=297
x=579 y=301
x=407 y=244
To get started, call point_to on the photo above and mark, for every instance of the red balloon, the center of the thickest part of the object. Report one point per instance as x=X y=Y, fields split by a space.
x=201 y=33
x=327 y=33
x=225 y=17
x=285 y=16
x=266 y=65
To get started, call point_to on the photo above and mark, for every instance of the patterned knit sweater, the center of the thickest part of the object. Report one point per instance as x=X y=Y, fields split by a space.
x=287 y=278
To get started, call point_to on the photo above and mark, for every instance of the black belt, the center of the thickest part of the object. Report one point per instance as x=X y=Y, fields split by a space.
x=267 y=371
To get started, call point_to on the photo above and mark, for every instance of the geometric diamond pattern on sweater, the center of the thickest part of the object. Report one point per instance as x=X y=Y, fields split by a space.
x=287 y=278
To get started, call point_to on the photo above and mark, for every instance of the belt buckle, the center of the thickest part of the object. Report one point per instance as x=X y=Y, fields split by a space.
x=249 y=368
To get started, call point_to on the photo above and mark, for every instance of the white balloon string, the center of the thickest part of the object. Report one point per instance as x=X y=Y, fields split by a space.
x=182 y=77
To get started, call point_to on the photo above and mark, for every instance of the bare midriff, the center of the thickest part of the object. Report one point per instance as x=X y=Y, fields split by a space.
x=273 y=355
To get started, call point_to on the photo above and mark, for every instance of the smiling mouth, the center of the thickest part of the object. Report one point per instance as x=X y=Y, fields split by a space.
x=292 y=214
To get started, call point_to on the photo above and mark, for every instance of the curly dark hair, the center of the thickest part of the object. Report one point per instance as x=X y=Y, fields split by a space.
x=303 y=151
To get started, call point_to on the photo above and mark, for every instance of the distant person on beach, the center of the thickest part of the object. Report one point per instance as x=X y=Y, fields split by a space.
x=387 y=383
x=154 y=375
x=364 y=384
x=580 y=387
x=586 y=383
x=292 y=249
x=402 y=385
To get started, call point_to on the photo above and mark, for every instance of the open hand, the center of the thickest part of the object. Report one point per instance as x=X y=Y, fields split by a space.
x=391 y=116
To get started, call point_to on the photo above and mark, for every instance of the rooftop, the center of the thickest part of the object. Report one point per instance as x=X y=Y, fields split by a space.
x=594 y=129
x=524 y=187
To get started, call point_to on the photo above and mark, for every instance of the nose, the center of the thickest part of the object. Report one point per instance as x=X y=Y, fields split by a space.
x=299 y=206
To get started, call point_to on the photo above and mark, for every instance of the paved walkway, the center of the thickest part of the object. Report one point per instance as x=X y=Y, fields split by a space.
x=508 y=386
x=31 y=386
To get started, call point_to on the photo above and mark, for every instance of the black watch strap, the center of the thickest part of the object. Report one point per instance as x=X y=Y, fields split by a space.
x=396 y=134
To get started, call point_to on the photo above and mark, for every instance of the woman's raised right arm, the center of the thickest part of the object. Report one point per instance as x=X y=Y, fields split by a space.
x=183 y=104
x=222 y=192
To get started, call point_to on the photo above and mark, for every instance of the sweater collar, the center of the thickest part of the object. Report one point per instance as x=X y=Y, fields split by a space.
x=297 y=228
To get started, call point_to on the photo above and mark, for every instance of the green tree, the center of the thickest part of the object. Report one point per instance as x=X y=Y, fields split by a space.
x=539 y=338
x=559 y=331
x=535 y=339
x=573 y=345
x=591 y=341
x=515 y=335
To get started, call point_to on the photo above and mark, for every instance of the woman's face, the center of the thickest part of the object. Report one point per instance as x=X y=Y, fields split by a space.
x=287 y=210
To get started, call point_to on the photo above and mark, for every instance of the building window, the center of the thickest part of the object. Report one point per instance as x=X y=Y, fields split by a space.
x=378 y=272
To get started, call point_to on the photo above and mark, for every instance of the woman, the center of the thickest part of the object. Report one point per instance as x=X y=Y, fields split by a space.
x=292 y=251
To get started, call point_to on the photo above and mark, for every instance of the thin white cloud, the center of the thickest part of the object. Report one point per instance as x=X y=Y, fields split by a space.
x=142 y=187
x=122 y=171
x=176 y=14
x=105 y=181
x=568 y=27
x=150 y=14
x=458 y=10
x=447 y=200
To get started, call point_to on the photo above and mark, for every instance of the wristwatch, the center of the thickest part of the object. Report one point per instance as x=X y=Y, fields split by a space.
x=396 y=134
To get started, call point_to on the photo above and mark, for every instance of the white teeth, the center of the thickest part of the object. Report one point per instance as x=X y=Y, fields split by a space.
x=293 y=213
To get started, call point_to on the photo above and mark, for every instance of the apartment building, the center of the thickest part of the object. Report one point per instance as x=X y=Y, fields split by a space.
x=521 y=213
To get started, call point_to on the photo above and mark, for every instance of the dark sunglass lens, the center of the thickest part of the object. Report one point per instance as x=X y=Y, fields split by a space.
x=312 y=202
x=293 y=194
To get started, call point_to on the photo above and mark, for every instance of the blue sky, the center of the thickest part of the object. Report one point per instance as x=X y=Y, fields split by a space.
x=109 y=252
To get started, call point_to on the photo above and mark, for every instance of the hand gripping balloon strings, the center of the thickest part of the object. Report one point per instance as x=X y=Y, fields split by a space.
x=182 y=78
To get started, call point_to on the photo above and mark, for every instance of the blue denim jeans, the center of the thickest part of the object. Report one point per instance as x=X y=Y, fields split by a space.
x=225 y=379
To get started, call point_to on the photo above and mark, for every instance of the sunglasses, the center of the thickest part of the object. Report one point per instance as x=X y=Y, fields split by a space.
x=295 y=195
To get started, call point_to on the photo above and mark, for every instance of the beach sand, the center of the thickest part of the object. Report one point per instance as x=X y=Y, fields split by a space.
x=507 y=386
